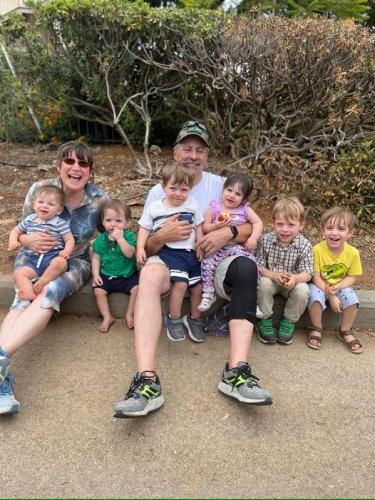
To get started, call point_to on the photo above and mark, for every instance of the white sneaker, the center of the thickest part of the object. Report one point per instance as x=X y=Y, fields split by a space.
x=208 y=298
x=259 y=314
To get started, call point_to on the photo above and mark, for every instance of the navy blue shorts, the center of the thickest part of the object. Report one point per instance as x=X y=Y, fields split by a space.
x=40 y=261
x=118 y=284
x=183 y=265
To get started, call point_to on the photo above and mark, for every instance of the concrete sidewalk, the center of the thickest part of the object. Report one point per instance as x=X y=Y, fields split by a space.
x=316 y=440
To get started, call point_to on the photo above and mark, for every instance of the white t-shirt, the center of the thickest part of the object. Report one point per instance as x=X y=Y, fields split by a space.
x=156 y=213
x=208 y=188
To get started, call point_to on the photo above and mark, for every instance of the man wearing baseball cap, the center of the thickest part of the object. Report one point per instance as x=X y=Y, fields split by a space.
x=237 y=273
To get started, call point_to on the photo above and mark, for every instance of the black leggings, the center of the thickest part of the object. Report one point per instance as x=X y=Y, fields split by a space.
x=242 y=278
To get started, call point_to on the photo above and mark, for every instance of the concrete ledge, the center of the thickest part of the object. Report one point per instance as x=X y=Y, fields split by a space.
x=83 y=302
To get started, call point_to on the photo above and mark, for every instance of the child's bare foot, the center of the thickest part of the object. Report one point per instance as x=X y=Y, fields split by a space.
x=38 y=286
x=129 y=318
x=28 y=294
x=106 y=324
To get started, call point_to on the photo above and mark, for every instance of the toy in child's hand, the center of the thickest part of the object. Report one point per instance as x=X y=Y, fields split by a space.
x=224 y=217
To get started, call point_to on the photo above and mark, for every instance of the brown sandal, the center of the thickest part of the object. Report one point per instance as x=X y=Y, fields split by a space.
x=311 y=337
x=350 y=343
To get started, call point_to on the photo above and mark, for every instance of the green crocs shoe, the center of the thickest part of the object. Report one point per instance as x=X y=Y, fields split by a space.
x=286 y=332
x=266 y=332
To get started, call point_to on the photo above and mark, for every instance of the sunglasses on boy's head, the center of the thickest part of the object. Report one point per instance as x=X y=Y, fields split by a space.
x=81 y=163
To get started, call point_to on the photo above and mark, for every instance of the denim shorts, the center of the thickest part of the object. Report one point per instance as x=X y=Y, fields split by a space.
x=40 y=261
x=347 y=297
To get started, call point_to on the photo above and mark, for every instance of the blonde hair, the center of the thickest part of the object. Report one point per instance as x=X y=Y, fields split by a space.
x=290 y=207
x=178 y=173
x=339 y=214
x=51 y=189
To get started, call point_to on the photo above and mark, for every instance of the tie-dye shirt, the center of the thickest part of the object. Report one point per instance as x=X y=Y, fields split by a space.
x=83 y=222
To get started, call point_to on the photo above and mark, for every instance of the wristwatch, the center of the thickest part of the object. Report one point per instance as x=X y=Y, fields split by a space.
x=234 y=231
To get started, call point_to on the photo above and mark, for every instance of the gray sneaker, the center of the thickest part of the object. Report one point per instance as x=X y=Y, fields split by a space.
x=194 y=328
x=144 y=396
x=240 y=384
x=174 y=328
x=8 y=403
x=4 y=363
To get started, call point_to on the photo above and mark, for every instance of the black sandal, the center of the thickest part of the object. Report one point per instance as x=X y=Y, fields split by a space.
x=311 y=336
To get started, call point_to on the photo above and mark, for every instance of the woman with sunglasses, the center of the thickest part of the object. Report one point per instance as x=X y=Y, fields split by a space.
x=26 y=319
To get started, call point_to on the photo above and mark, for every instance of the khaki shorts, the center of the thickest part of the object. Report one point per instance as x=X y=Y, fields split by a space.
x=220 y=273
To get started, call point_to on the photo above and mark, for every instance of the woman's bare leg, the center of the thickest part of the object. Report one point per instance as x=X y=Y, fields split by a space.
x=19 y=327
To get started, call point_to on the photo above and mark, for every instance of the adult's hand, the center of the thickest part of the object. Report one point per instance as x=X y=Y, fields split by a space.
x=213 y=241
x=38 y=242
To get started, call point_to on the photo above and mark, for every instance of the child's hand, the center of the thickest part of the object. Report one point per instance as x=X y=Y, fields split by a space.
x=335 y=303
x=14 y=245
x=97 y=280
x=64 y=254
x=279 y=278
x=251 y=244
x=117 y=234
x=289 y=282
x=141 y=256
x=332 y=290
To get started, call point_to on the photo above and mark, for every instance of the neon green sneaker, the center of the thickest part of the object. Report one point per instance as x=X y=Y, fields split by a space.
x=143 y=396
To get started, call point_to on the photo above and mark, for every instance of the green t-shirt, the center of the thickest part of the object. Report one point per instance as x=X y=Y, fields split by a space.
x=112 y=261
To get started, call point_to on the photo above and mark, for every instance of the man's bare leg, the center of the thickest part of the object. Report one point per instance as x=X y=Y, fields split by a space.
x=129 y=316
x=154 y=282
x=240 y=335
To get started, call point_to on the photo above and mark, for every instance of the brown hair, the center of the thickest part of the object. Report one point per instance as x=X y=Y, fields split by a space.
x=80 y=149
x=340 y=215
x=245 y=183
x=51 y=189
x=290 y=207
x=116 y=205
x=178 y=173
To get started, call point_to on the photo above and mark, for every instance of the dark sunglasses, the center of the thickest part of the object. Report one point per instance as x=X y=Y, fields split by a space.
x=193 y=124
x=81 y=163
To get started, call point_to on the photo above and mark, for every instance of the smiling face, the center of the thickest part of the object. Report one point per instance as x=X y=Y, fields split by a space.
x=336 y=232
x=286 y=229
x=114 y=219
x=47 y=206
x=193 y=153
x=74 y=177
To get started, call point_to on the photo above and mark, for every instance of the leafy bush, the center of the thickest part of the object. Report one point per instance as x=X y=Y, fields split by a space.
x=321 y=184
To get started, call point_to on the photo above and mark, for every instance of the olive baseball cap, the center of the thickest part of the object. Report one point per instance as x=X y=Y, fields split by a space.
x=193 y=127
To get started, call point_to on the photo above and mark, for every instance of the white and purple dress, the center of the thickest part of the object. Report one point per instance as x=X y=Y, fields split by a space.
x=209 y=264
